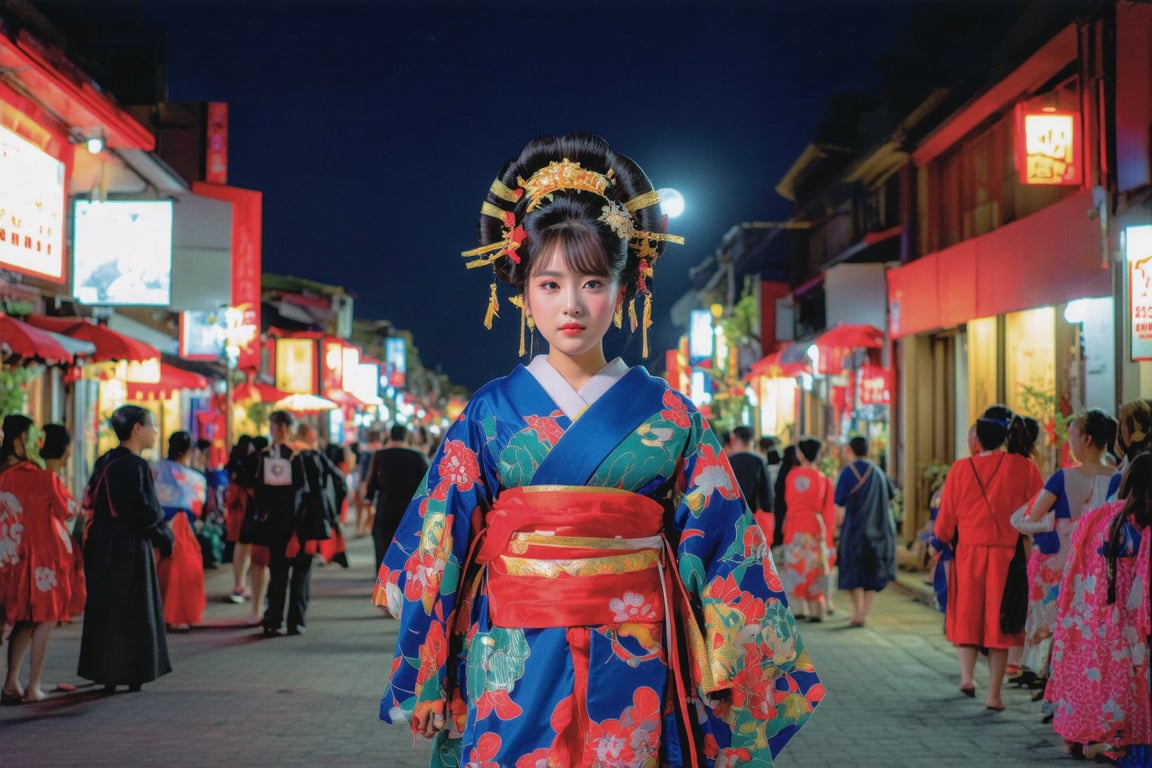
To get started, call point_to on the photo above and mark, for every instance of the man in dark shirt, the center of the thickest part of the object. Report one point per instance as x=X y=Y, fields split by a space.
x=393 y=478
x=752 y=477
x=279 y=495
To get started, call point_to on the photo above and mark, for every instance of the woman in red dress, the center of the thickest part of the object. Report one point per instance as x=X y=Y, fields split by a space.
x=181 y=491
x=976 y=507
x=808 y=531
x=55 y=452
x=35 y=556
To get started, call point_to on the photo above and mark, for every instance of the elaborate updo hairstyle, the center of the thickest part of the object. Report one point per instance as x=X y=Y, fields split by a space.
x=16 y=425
x=1135 y=428
x=56 y=441
x=992 y=427
x=125 y=418
x=1098 y=427
x=573 y=218
x=179 y=444
x=809 y=448
x=573 y=193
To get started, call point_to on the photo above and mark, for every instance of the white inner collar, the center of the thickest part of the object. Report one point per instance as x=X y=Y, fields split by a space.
x=570 y=401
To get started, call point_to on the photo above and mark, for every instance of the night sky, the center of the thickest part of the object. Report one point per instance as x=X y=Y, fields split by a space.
x=374 y=128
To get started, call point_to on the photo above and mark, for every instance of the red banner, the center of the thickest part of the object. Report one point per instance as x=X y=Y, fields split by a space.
x=875 y=385
x=247 y=229
x=216 y=154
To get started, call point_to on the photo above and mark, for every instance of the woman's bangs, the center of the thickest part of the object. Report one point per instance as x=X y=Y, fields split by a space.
x=580 y=247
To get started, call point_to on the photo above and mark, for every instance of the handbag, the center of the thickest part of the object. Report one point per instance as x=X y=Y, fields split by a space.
x=1014 y=596
x=256 y=528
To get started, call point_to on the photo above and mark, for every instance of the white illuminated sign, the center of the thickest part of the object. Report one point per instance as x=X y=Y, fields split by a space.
x=123 y=252
x=31 y=209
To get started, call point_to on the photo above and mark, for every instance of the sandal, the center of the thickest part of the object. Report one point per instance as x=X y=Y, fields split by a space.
x=7 y=698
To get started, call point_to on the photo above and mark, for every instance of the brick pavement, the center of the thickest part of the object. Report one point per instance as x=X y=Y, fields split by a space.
x=234 y=698
x=312 y=700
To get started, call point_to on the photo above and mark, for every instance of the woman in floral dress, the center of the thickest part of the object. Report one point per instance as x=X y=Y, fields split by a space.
x=1058 y=508
x=578 y=580
x=1100 y=647
x=35 y=556
x=809 y=530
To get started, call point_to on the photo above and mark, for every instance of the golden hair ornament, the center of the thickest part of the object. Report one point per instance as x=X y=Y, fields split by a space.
x=518 y=301
x=619 y=216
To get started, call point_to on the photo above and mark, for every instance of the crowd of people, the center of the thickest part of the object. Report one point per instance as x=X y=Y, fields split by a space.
x=1050 y=578
x=130 y=558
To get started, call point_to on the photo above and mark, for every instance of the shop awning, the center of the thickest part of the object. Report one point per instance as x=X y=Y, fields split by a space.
x=53 y=81
x=265 y=393
x=774 y=366
x=348 y=399
x=306 y=404
x=1041 y=260
x=847 y=336
x=110 y=345
x=26 y=341
x=172 y=380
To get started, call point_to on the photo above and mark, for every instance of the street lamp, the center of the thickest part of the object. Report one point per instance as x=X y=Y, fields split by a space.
x=671 y=202
x=236 y=335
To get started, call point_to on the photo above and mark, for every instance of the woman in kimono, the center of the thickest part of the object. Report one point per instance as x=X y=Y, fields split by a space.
x=181 y=491
x=123 y=641
x=1100 y=648
x=809 y=530
x=1067 y=495
x=35 y=556
x=980 y=495
x=577 y=579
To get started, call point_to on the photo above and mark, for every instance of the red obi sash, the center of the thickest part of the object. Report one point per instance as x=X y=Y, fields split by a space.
x=550 y=564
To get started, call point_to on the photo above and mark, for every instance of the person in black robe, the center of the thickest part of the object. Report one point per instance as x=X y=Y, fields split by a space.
x=867 y=551
x=393 y=477
x=123 y=640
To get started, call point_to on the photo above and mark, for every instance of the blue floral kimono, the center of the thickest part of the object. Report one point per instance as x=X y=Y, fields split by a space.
x=727 y=681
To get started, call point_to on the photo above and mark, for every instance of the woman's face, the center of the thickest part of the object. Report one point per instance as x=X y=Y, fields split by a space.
x=572 y=311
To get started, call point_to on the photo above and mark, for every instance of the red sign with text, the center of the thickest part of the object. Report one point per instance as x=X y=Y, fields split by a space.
x=247 y=229
x=1048 y=147
x=875 y=385
x=216 y=154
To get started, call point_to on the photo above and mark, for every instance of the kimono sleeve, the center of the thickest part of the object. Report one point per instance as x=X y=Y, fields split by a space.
x=133 y=493
x=844 y=485
x=751 y=648
x=420 y=573
x=63 y=505
x=946 y=521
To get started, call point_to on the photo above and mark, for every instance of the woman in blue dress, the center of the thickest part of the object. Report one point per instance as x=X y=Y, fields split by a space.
x=578 y=580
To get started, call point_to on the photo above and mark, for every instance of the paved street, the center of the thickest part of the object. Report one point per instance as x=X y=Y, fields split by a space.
x=239 y=700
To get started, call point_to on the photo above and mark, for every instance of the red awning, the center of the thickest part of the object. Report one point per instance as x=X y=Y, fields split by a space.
x=172 y=380
x=773 y=367
x=1049 y=257
x=110 y=345
x=79 y=102
x=847 y=336
x=347 y=399
x=27 y=341
x=254 y=390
